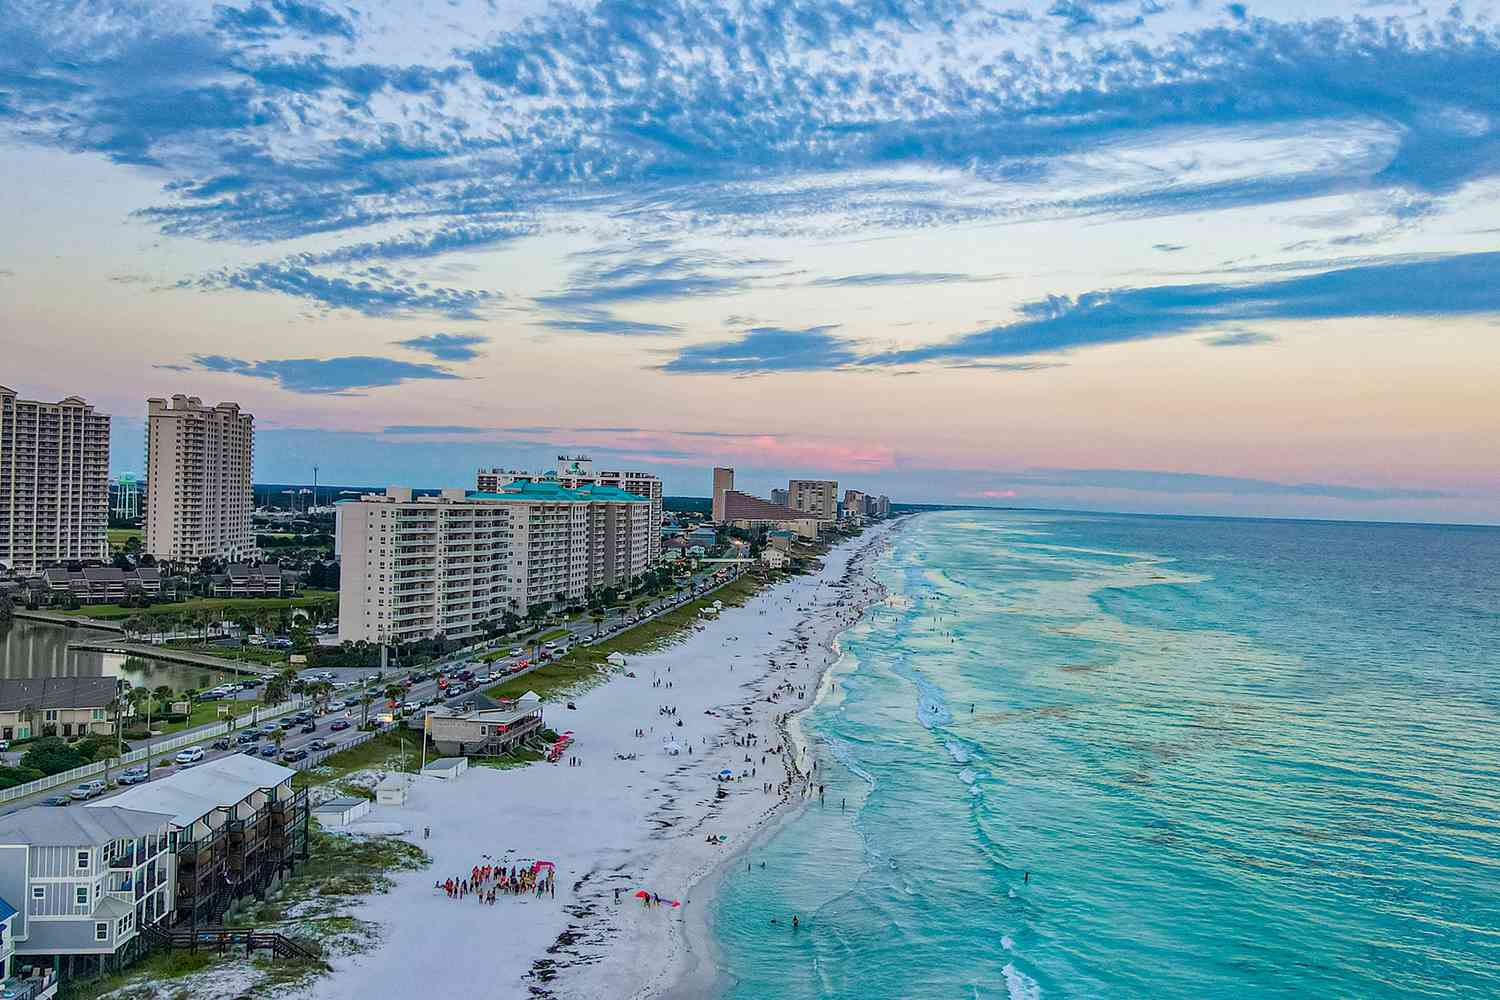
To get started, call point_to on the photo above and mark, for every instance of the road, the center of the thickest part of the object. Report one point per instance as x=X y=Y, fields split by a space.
x=347 y=689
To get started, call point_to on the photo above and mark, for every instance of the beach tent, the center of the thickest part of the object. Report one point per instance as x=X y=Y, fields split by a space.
x=726 y=775
x=672 y=747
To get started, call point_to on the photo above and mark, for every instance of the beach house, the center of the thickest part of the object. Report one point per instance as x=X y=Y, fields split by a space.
x=487 y=731
x=237 y=827
x=84 y=882
x=56 y=706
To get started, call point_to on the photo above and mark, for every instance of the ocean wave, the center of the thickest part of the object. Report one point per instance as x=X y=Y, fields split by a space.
x=1007 y=942
x=1019 y=985
x=959 y=752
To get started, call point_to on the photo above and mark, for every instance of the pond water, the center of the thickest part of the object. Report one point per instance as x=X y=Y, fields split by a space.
x=35 y=649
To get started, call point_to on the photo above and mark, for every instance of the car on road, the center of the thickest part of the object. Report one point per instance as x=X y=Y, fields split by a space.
x=222 y=743
x=293 y=756
x=516 y=651
x=132 y=776
x=321 y=744
x=57 y=800
x=269 y=750
x=411 y=706
x=339 y=725
x=309 y=727
x=287 y=724
x=189 y=757
x=336 y=706
x=88 y=790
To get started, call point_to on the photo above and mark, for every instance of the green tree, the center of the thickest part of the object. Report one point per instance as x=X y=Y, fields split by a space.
x=51 y=755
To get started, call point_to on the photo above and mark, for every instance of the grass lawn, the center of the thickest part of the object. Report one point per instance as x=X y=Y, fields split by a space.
x=579 y=670
x=245 y=654
x=204 y=713
x=385 y=750
x=111 y=611
x=119 y=536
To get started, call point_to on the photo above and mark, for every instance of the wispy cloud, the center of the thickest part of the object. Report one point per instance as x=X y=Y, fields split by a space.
x=268 y=19
x=606 y=322
x=446 y=346
x=1454 y=285
x=1239 y=338
x=403 y=429
x=898 y=278
x=766 y=349
x=325 y=375
x=373 y=291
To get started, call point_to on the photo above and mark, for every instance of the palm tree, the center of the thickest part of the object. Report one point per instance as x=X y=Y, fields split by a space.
x=366 y=696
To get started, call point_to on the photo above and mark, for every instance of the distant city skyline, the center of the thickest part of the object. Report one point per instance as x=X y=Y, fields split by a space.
x=1137 y=256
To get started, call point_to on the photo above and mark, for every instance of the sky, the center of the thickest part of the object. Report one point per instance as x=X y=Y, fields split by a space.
x=1131 y=255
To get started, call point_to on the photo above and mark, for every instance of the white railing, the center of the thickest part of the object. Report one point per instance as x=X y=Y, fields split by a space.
x=156 y=750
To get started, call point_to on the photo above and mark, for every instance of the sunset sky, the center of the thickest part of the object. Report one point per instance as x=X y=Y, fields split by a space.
x=1142 y=255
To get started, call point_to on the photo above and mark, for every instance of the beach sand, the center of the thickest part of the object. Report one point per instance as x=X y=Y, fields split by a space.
x=613 y=824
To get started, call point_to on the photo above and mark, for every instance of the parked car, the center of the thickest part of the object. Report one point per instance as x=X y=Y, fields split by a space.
x=293 y=756
x=309 y=727
x=88 y=790
x=516 y=651
x=269 y=750
x=287 y=724
x=247 y=737
x=335 y=706
x=132 y=776
x=57 y=800
x=189 y=757
x=321 y=744
x=210 y=695
x=222 y=743
x=339 y=725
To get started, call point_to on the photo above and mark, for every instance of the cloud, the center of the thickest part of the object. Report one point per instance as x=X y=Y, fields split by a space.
x=766 y=349
x=373 y=291
x=1240 y=338
x=427 y=243
x=435 y=429
x=302 y=17
x=1153 y=481
x=900 y=278
x=1168 y=247
x=603 y=321
x=1454 y=285
x=615 y=275
x=325 y=375
x=446 y=346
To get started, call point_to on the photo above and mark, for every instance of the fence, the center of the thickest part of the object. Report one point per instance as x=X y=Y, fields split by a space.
x=317 y=757
x=158 y=749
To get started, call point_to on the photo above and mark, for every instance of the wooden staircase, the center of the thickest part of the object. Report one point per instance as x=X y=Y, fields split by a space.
x=226 y=939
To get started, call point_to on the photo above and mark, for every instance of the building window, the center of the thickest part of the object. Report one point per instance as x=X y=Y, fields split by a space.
x=38 y=892
x=101 y=932
x=81 y=895
x=83 y=860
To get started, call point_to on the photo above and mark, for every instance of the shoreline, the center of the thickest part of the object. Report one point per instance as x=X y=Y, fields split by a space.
x=699 y=972
x=630 y=812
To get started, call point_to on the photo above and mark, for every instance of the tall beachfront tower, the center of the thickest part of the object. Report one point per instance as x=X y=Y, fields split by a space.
x=723 y=483
x=198 y=466
x=818 y=497
x=54 y=482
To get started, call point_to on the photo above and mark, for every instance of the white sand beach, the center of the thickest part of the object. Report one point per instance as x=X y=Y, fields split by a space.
x=612 y=824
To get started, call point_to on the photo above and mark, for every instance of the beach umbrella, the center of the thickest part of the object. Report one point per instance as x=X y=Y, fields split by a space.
x=642 y=894
x=726 y=774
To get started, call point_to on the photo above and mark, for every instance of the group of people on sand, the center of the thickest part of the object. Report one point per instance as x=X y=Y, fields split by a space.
x=488 y=881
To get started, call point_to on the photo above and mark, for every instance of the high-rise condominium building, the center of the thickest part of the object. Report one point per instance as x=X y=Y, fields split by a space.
x=198 y=495
x=54 y=482
x=574 y=471
x=818 y=497
x=723 y=484
x=781 y=498
x=413 y=567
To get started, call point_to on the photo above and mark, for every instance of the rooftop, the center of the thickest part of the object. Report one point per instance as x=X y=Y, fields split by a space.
x=190 y=795
x=48 y=826
x=38 y=693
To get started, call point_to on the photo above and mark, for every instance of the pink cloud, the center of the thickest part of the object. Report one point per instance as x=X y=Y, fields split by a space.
x=990 y=494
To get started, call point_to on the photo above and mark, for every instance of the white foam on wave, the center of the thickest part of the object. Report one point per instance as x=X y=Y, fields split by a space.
x=967 y=776
x=1007 y=943
x=958 y=752
x=1019 y=985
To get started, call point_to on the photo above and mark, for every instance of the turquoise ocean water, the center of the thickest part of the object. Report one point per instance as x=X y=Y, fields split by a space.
x=1238 y=759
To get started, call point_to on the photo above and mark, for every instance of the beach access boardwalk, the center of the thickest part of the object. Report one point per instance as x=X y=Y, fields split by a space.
x=146 y=650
